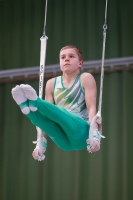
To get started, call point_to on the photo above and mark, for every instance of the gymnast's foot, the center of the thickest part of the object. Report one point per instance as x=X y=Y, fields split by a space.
x=20 y=98
x=31 y=94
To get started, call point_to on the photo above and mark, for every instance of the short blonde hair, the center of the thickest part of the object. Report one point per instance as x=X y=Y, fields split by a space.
x=79 y=53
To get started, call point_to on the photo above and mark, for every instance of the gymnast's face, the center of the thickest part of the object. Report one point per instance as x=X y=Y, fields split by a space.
x=69 y=61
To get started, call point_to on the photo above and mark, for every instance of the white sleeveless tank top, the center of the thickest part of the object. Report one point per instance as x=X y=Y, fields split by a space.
x=72 y=99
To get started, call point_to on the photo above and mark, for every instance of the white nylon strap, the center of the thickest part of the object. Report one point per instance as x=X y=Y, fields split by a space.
x=42 y=64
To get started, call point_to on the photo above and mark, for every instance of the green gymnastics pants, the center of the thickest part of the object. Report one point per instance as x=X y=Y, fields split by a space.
x=68 y=131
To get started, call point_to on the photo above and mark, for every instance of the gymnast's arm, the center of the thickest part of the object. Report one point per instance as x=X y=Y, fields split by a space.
x=48 y=97
x=49 y=93
x=89 y=87
x=90 y=90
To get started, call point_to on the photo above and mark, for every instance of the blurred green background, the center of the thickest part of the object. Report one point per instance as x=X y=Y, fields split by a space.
x=104 y=175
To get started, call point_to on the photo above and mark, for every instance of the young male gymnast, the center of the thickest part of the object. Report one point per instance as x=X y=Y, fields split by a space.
x=69 y=106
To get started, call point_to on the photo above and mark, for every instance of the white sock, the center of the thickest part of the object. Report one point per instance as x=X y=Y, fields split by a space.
x=33 y=108
x=25 y=110
x=30 y=94
x=19 y=97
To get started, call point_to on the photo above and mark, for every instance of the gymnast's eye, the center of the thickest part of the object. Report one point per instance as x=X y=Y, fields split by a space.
x=71 y=56
x=62 y=57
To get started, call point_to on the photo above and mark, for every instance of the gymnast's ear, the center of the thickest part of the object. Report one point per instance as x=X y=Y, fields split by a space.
x=81 y=62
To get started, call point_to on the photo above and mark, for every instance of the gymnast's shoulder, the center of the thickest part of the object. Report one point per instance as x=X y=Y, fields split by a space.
x=50 y=84
x=87 y=78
